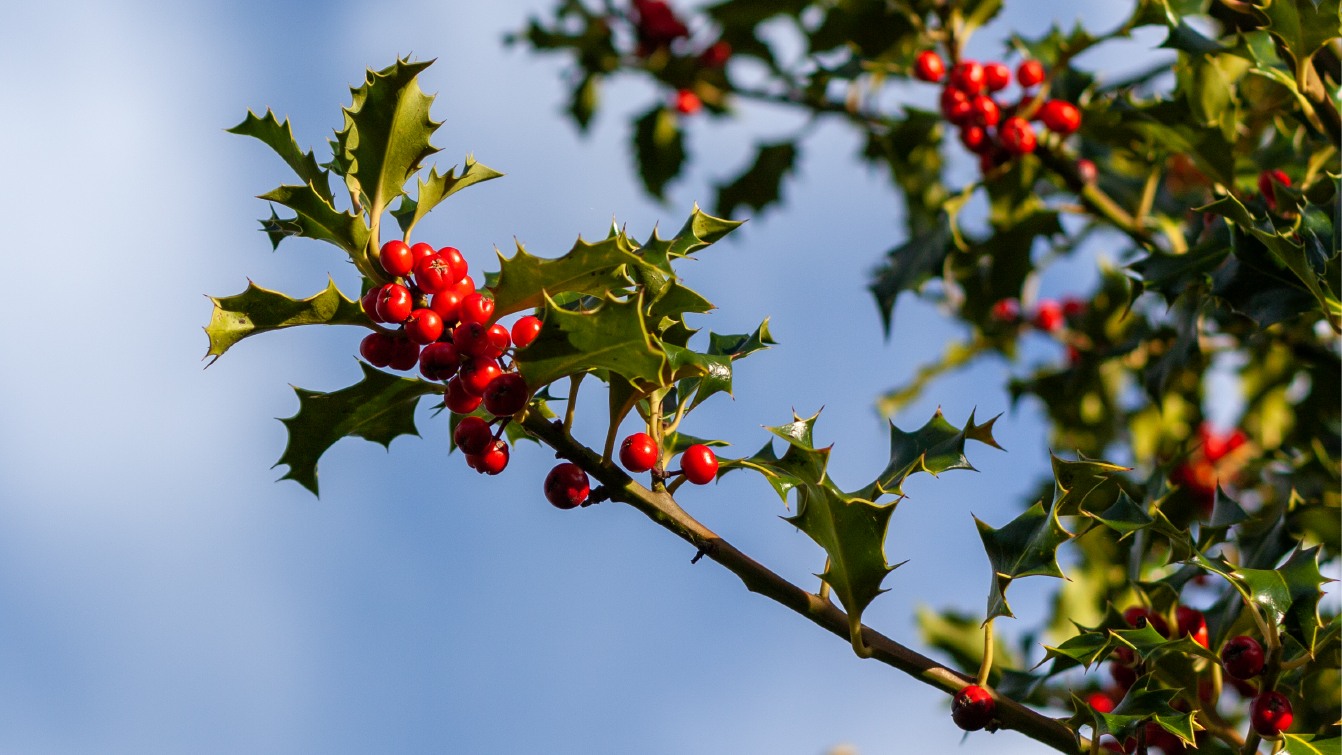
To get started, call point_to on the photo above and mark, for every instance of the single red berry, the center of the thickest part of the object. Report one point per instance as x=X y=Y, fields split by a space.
x=974 y=138
x=377 y=349
x=1216 y=446
x=477 y=373
x=424 y=326
x=967 y=76
x=1073 y=307
x=1266 y=188
x=1125 y=655
x=525 y=331
x=1030 y=73
x=1073 y=355
x=1006 y=310
x=638 y=453
x=928 y=66
x=448 y=305
x=717 y=54
x=499 y=340
x=473 y=435
x=973 y=708
x=1136 y=616
x=476 y=308
x=494 y=459
x=986 y=112
x=1100 y=702
x=1017 y=136
x=439 y=361
x=1192 y=624
x=396 y=259
x=986 y=161
x=464 y=287
x=699 y=464
x=473 y=461
x=688 y=102
x=955 y=106
x=434 y=274
x=471 y=338
x=1156 y=736
x=394 y=303
x=452 y=256
x=420 y=252
x=1270 y=714
x=1087 y=171
x=1242 y=657
x=566 y=486
x=1123 y=676
x=369 y=304
x=406 y=356
x=506 y=395
x=1048 y=315
x=996 y=76
x=458 y=400
x=1060 y=117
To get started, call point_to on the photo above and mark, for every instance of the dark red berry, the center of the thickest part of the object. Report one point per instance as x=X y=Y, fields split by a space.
x=986 y=112
x=1073 y=307
x=420 y=252
x=369 y=304
x=717 y=55
x=406 y=356
x=1192 y=624
x=1123 y=676
x=394 y=303
x=1242 y=657
x=499 y=340
x=699 y=464
x=476 y=375
x=1060 y=117
x=473 y=461
x=1006 y=310
x=396 y=259
x=1125 y=655
x=1048 y=316
x=424 y=326
x=377 y=349
x=525 y=331
x=1266 y=188
x=974 y=138
x=458 y=400
x=1100 y=702
x=566 y=486
x=494 y=459
x=434 y=274
x=447 y=304
x=439 y=361
x=476 y=308
x=473 y=435
x=506 y=395
x=688 y=102
x=955 y=106
x=638 y=453
x=973 y=708
x=967 y=76
x=1087 y=171
x=1136 y=616
x=928 y=66
x=1017 y=136
x=1030 y=73
x=471 y=338
x=1270 y=714
x=996 y=76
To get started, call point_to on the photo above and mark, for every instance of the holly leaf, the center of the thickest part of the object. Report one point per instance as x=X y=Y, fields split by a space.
x=908 y=266
x=1303 y=580
x=1026 y=547
x=280 y=137
x=318 y=219
x=1086 y=649
x=439 y=187
x=1086 y=482
x=1226 y=513
x=259 y=310
x=769 y=465
x=659 y=148
x=706 y=374
x=741 y=345
x=1303 y=26
x=1311 y=744
x=592 y=269
x=935 y=447
x=278 y=229
x=612 y=336
x=1124 y=517
x=676 y=299
x=760 y=186
x=1140 y=705
x=379 y=408
x=678 y=442
x=1148 y=644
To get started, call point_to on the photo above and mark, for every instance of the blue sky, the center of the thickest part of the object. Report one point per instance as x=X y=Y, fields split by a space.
x=160 y=593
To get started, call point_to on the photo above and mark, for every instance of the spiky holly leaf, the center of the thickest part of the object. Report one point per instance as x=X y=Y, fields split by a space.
x=659 y=147
x=258 y=310
x=1085 y=649
x=280 y=137
x=592 y=269
x=318 y=219
x=612 y=336
x=1226 y=513
x=1311 y=744
x=935 y=447
x=1026 y=547
x=741 y=345
x=678 y=442
x=1148 y=644
x=439 y=187
x=908 y=266
x=1086 y=481
x=278 y=229
x=801 y=463
x=711 y=373
x=1142 y=704
x=1303 y=580
x=699 y=232
x=675 y=299
x=1124 y=517
x=379 y=408
x=766 y=462
x=1303 y=26
x=761 y=184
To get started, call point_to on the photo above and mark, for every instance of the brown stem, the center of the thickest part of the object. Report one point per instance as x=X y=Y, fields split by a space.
x=662 y=509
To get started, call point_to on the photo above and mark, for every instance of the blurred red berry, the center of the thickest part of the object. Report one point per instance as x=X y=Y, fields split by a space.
x=1073 y=307
x=928 y=66
x=967 y=76
x=1060 y=117
x=688 y=102
x=1087 y=171
x=996 y=76
x=1048 y=315
x=986 y=112
x=657 y=25
x=1006 y=310
x=1100 y=702
x=955 y=106
x=1192 y=624
x=1242 y=657
x=717 y=55
x=1266 y=188
x=1030 y=73
x=974 y=138
x=1017 y=136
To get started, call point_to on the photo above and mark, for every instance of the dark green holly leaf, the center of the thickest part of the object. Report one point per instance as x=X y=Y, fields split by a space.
x=910 y=148
x=908 y=266
x=318 y=219
x=280 y=137
x=1148 y=644
x=1226 y=513
x=678 y=442
x=1303 y=580
x=935 y=447
x=741 y=345
x=258 y=310
x=1124 y=517
x=1026 y=547
x=379 y=408
x=438 y=188
x=705 y=374
x=1185 y=38
x=1171 y=274
x=1171 y=125
x=1086 y=649
x=1303 y=25
x=1087 y=483
x=1265 y=296
x=677 y=299
x=1181 y=351
x=612 y=336
x=1311 y=744
x=760 y=186
x=1052 y=47
x=767 y=463
x=659 y=147
x=278 y=229
x=1142 y=704
x=591 y=269
x=584 y=100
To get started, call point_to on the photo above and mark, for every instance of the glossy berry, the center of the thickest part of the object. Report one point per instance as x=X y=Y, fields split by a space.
x=458 y=400
x=1191 y=624
x=1242 y=657
x=1100 y=702
x=438 y=361
x=1017 y=136
x=406 y=355
x=1270 y=714
x=974 y=138
x=473 y=435
x=955 y=106
x=699 y=464
x=1030 y=73
x=566 y=486
x=448 y=305
x=434 y=274
x=377 y=349
x=986 y=112
x=996 y=76
x=424 y=326
x=1006 y=310
x=464 y=287
x=1048 y=315
x=973 y=708
x=369 y=304
x=638 y=453
x=1060 y=117
x=452 y=256
x=1216 y=446
x=688 y=102
x=928 y=66
x=471 y=338
x=499 y=340
x=476 y=375
x=506 y=395
x=476 y=308
x=394 y=303
x=419 y=252
x=396 y=259
x=494 y=459
x=1087 y=171
x=1266 y=188
x=967 y=76
x=525 y=331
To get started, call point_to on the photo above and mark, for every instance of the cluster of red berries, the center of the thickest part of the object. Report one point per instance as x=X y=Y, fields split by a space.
x=1048 y=315
x=1201 y=472
x=995 y=131
x=567 y=487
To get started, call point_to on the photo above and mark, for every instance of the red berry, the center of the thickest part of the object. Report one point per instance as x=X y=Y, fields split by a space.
x=688 y=102
x=1216 y=446
x=1242 y=657
x=369 y=304
x=494 y=459
x=638 y=453
x=717 y=55
x=566 y=486
x=1087 y=171
x=1136 y=616
x=473 y=435
x=406 y=355
x=986 y=112
x=458 y=400
x=471 y=338
x=424 y=326
x=434 y=274
x=420 y=252
x=499 y=340
x=396 y=259
x=448 y=305
x=1270 y=714
x=1030 y=73
x=377 y=349
x=1100 y=702
x=1006 y=310
x=967 y=76
x=473 y=461
x=1017 y=136
x=996 y=76
x=1125 y=655
x=974 y=138
x=506 y=395
x=973 y=708
x=1060 y=117
x=1191 y=624
x=438 y=361
x=525 y=331
x=1073 y=307
x=464 y=287
x=452 y=256
x=476 y=374
x=1123 y=676
x=394 y=303
x=1048 y=316
x=476 y=308
x=955 y=106
x=1266 y=188
x=699 y=464
x=928 y=66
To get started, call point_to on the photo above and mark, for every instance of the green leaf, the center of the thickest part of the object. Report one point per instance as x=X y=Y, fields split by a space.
x=318 y=219
x=591 y=269
x=612 y=336
x=379 y=408
x=1303 y=580
x=280 y=137
x=1124 y=517
x=1141 y=704
x=1086 y=649
x=760 y=186
x=707 y=373
x=678 y=442
x=1303 y=26
x=908 y=266
x=278 y=229
x=1311 y=744
x=1148 y=644
x=1084 y=483
x=767 y=463
x=1026 y=547
x=659 y=148
x=438 y=188
x=935 y=447
x=258 y=310
x=741 y=345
